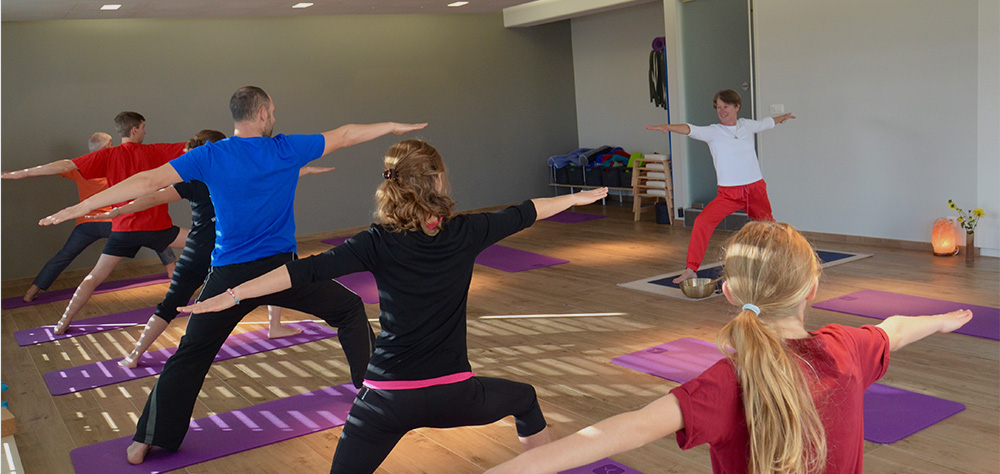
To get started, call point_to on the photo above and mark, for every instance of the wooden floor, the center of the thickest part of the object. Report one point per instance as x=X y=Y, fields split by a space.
x=567 y=358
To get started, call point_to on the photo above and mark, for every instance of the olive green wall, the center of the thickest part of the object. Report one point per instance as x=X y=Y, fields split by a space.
x=498 y=102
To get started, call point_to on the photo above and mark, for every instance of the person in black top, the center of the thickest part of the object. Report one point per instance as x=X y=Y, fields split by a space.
x=192 y=268
x=422 y=255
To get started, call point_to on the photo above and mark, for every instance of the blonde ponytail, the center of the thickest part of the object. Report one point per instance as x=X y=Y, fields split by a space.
x=771 y=268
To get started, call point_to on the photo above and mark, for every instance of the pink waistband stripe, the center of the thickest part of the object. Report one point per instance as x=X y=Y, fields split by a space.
x=412 y=384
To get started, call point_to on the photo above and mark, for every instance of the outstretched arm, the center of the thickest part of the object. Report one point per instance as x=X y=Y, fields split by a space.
x=903 y=330
x=56 y=167
x=271 y=282
x=782 y=118
x=681 y=128
x=548 y=207
x=614 y=435
x=163 y=196
x=352 y=134
x=138 y=185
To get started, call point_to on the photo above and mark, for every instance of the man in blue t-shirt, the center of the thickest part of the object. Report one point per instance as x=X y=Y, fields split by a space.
x=252 y=178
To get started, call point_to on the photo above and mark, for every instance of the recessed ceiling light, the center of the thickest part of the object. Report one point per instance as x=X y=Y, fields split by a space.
x=458 y=4
x=302 y=5
x=110 y=7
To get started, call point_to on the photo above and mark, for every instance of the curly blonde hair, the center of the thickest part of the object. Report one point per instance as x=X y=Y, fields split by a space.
x=415 y=189
x=772 y=266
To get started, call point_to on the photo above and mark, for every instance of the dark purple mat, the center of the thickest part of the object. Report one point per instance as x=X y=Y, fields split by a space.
x=498 y=257
x=514 y=260
x=67 y=293
x=99 y=374
x=336 y=240
x=891 y=414
x=227 y=433
x=604 y=466
x=362 y=284
x=882 y=304
x=108 y=322
x=570 y=217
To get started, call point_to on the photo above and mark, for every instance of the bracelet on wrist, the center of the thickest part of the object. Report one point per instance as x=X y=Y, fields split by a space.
x=230 y=290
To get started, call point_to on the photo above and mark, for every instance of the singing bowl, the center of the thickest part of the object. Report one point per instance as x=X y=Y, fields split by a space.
x=698 y=287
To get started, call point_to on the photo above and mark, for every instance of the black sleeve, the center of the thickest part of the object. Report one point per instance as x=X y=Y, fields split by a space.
x=492 y=227
x=184 y=190
x=355 y=255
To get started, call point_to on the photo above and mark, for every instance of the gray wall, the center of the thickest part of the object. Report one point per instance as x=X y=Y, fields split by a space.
x=611 y=62
x=498 y=102
x=888 y=111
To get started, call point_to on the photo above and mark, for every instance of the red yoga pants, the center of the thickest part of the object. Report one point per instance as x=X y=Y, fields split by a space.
x=751 y=198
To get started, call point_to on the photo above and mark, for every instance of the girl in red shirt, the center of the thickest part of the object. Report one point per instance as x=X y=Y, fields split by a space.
x=785 y=400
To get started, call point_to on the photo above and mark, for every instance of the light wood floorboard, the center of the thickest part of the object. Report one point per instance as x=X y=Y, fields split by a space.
x=567 y=359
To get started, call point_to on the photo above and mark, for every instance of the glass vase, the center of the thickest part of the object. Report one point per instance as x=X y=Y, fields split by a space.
x=970 y=246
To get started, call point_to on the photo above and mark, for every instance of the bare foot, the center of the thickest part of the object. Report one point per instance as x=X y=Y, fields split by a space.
x=62 y=326
x=281 y=331
x=686 y=275
x=136 y=452
x=129 y=362
x=30 y=295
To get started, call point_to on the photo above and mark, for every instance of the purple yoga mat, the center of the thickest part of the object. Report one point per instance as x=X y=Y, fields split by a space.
x=67 y=293
x=570 y=217
x=108 y=322
x=99 y=374
x=891 y=414
x=498 y=257
x=514 y=260
x=882 y=304
x=604 y=466
x=227 y=433
x=495 y=256
x=362 y=284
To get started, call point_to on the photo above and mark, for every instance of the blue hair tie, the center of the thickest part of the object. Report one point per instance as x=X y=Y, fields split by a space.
x=752 y=307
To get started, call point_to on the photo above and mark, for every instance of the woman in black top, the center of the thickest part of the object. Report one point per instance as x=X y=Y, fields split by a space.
x=422 y=256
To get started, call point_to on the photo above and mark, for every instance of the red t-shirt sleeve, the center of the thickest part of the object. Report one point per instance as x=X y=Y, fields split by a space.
x=871 y=345
x=168 y=151
x=93 y=165
x=710 y=406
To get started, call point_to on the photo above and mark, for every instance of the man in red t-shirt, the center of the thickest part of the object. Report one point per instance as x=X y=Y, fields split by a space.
x=151 y=228
x=88 y=229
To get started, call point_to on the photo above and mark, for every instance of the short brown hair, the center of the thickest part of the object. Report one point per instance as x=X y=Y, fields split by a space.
x=126 y=121
x=204 y=137
x=247 y=101
x=728 y=96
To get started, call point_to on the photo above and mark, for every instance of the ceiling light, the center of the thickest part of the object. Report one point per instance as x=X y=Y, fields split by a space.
x=302 y=5
x=110 y=7
x=458 y=4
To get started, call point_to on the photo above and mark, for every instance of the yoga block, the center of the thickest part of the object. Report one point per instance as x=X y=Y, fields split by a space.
x=593 y=176
x=611 y=178
x=9 y=426
x=561 y=175
x=575 y=175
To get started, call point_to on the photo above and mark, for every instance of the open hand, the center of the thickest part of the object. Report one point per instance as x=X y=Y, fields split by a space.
x=62 y=216
x=589 y=196
x=402 y=128
x=214 y=304
x=954 y=320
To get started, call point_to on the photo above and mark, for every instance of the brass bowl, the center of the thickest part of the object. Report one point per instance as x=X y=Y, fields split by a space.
x=698 y=287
